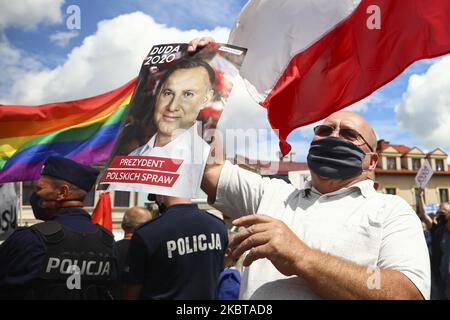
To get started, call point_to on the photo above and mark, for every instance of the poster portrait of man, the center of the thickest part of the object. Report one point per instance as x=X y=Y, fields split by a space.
x=182 y=93
x=162 y=147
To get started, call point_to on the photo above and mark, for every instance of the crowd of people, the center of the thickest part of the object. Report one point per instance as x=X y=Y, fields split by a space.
x=336 y=238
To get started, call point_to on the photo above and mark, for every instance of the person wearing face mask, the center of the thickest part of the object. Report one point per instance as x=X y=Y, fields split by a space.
x=440 y=247
x=337 y=238
x=66 y=256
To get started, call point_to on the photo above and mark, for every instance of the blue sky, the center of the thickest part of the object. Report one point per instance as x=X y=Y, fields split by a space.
x=172 y=13
x=43 y=61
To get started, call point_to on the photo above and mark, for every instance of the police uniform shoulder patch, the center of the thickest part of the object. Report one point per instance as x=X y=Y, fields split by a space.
x=51 y=231
x=147 y=222
x=213 y=215
x=109 y=233
x=47 y=228
x=107 y=236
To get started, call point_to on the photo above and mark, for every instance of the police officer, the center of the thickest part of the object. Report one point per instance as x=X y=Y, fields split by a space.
x=177 y=255
x=66 y=256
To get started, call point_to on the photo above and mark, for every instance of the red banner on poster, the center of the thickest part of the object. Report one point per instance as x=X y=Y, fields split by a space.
x=146 y=162
x=148 y=177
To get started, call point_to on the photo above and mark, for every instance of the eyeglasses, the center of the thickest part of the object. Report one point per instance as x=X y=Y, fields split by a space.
x=324 y=130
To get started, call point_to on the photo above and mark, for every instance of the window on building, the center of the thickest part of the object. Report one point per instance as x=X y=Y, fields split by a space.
x=121 y=199
x=391 y=191
x=27 y=190
x=415 y=164
x=443 y=195
x=90 y=199
x=440 y=165
x=391 y=163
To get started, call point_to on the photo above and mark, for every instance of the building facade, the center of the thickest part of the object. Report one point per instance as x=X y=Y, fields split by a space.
x=398 y=166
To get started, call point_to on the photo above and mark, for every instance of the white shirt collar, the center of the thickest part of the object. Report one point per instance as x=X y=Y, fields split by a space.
x=192 y=130
x=365 y=187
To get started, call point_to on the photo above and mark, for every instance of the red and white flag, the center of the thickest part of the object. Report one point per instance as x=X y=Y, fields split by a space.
x=309 y=58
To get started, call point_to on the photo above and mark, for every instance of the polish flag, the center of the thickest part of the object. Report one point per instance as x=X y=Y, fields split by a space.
x=309 y=58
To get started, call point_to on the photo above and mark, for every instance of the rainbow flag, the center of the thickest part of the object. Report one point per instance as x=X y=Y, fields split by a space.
x=82 y=130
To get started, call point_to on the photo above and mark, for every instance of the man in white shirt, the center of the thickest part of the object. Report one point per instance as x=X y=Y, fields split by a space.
x=337 y=238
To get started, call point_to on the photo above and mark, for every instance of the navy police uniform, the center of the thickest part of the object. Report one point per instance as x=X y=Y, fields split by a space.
x=36 y=262
x=121 y=248
x=178 y=255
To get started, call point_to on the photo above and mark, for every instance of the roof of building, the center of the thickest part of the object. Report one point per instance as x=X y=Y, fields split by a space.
x=383 y=145
x=435 y=150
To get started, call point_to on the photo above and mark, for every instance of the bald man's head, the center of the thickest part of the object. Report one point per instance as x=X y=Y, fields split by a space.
x=445 y=208
x=335 y=139
x=352 y=120
x=133 y=217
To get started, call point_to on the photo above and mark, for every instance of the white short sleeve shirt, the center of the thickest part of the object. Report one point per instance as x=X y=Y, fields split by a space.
x=356 y=223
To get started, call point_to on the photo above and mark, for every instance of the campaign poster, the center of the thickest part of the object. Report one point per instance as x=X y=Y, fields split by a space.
x=164 y=141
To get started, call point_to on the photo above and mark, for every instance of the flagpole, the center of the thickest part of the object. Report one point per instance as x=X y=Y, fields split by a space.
x=20 y=202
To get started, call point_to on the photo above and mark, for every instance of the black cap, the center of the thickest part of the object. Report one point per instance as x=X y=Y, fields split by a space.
x=68 y=170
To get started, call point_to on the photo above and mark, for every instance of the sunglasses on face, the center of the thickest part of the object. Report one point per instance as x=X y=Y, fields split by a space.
x=324 y=130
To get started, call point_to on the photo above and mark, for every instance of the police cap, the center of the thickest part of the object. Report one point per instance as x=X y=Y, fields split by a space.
x=68 y=170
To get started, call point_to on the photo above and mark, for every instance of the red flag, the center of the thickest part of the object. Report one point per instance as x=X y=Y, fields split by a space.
x=309 y=58
x=102 y=214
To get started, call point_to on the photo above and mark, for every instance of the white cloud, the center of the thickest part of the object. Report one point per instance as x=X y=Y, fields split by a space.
x=241 y=111
x=425 y=107
x=15 y=64
x=104 y=61
x=28 y=14
x=260 y=144
x=9 y=54
x=62 y=39
x=213 y=13
x=362 y=106
x=389 y=130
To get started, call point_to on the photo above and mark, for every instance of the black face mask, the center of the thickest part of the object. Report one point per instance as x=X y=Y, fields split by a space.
x=39 y=211
x=335 y=158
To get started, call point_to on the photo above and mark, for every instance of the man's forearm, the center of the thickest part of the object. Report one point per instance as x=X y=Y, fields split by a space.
x=210 y=180
x=334 y=278
x=213 y=168
x=423 y=214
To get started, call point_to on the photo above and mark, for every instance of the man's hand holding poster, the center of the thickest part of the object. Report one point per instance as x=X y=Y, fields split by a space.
x=163 y=145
